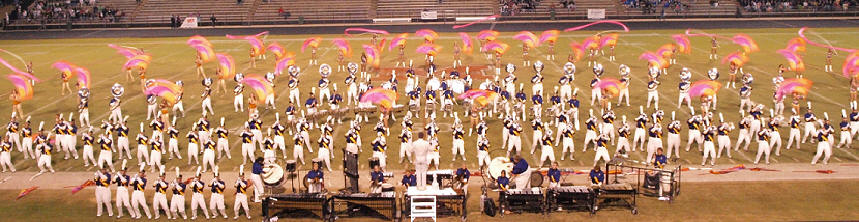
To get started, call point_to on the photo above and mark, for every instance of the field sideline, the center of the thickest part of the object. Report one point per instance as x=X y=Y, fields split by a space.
x=173 y=60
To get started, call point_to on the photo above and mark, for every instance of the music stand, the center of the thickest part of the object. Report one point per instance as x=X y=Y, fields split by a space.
x=290 y=169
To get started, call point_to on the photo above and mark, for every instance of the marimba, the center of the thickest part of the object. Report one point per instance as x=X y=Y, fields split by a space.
x=278 y=204
x=363 y=204
x=619 y=194
x=571 y=198
x=528 y=200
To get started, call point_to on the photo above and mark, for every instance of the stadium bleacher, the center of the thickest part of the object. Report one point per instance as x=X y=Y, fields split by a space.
x=313 y=10
x=446 y=9
x=159 y=11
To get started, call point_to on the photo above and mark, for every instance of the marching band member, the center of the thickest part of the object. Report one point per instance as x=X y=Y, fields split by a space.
x=566 y=132
x=156 y=152
x=607 y=126
x=794 y=130
x=173 y=142
x=45 y=149
x=157 y=130
x=483 y=158
x=223 y=144
x=197 y=200
x=12 y=133
x=151 y=107
x=209 y=155
x=193 y=147
x=353 y=141
x=325 y=153
x=810 y=119
x=238 y=98
x=503 y=181
x=298 y=147
x=27 y=140
x=554 y=176
x=5 y=157
x=122 y=181
x=745 y=99
x=757 y=123
x=775 y=136
x=177 y=201
x=352 y=83
x=537 y=127
x=278 y=129
x=724 y=140
x=763 y=146
x=515 y=138
x=241 y=198
x=248 y=145
x=315 y=179
x=121 y=137
x=334 y=104
x=654 y=141
x=458 y=139
x=377 y=178
x=595 y=92
x=409 y=179
x=596 y=176
x=269 y=98
x=568 y=76
x=379 y=147
x=255 y=126
x=106 y=147
x=406 y=138
x=639 y=137
x=709 y=147
x=547 y=151
x=624 y=80
x=115 y=103
x=311 y=102
x=58 y=133
x=216 y=200
x=324 y=92
x=142 y=149
x=138 y=183
x=623 y=137
x=521 y=173
x=206 y=96
x=505 y=133
x=102 y=192
x=434 y=155
x=683 y=86
x=257 y=179
x=695 y=131
x=591 y=134
x=159 y=200
x=537 y=79
x=823 y=146
x=845 y=131
x=293 y=89
x=674 y=137
x=652 y=93
x=744 y=134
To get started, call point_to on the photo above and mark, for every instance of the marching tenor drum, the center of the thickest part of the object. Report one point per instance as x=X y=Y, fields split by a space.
x=272 y=175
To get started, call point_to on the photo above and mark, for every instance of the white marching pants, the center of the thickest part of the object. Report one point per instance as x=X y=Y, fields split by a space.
x=223 y=146
x=709 y=152
x=724 y=143
x=159 y=202
x=102 y=198
x=602 y=153
x=823 y=148
x=568 y=146
x=406 y=151
x=241 y=202
x=193 y=153
x=653 y=143
x=547 y=153
x=653 y=96
x=694 y=136
x=208 y=159
x=177 y=206
x=775 y=142
x=123 y=200
x=673 y=145
x=622 y=144
x=845 y=139
x=248 y=150
x=809 y=131
x=258 y=187
x=793 y=138
x=239 y=103
x=137 y=200
x=458 y=147
x=325 y=155
x=207 y=106
x=216 y=204
x=638 y=139
x=6 y=161
x=142 y=154
x=483 y=158
x=763 y=148
x=743 y=137
x=122 y=146
x=197 y=201
x=514 y=144
x=173 y=148
x=590 y=137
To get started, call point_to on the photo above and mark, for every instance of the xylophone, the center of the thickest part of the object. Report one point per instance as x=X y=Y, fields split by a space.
x=363 y=204
x=619 y=194
x=571 y=198
x=516 y=200
x=278 y=204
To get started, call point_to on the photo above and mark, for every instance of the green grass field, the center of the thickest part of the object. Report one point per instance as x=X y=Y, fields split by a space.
x=174 y=60
x=754 y=201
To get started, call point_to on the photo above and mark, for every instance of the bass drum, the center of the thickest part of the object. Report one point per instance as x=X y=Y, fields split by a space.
x=499 y=164
x=536 y=179
x=272 y=175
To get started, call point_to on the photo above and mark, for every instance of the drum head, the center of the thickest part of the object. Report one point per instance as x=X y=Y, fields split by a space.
x=499 y=164
x=272 y=175
x=536 y=179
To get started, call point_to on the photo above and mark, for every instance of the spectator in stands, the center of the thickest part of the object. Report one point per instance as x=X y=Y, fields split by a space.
x=172 y=21
x=283 y=13
x=213 y=19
